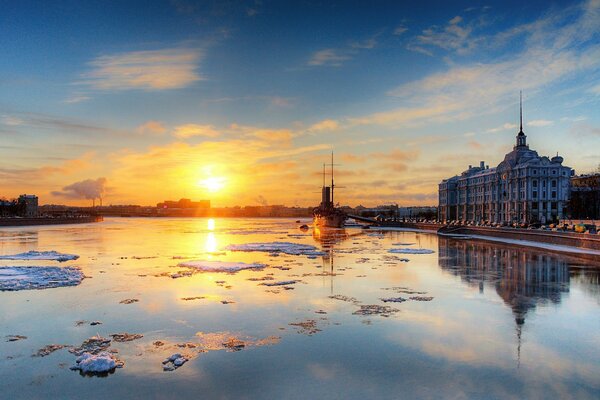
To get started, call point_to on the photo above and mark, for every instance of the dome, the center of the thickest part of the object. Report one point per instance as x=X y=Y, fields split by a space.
x=557 y=159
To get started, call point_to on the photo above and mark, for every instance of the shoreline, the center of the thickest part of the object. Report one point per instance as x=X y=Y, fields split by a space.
x=17 y=222
x=581 y=245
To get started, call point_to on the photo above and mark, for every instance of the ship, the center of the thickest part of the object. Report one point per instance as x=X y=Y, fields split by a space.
x=327 y=215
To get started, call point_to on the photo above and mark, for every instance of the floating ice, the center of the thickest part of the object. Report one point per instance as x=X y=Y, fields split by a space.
x=14 y=338
x=374 y=309
x=220 y=266
x=393 y=300
x=24 y=278
x=175 y=361
x=279 y=283
x=411 y=251
x=101 y=363
x=294 y=249
x=41 y=255
x=402 y=244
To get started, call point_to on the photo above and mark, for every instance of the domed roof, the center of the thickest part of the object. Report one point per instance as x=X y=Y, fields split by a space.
x=557 y=159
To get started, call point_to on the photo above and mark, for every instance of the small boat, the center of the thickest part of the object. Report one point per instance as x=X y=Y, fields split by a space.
x=327 y=215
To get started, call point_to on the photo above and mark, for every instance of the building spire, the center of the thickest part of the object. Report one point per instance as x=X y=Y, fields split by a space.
x=521 y=110
x=521 y=138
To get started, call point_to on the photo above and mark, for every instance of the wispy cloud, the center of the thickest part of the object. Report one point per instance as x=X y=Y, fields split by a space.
x=554 y=52
x=505 y=127
x=454 y=36
x=329 y=57
x=326 y=125
x=77 y=98
x=11 y=120
x=190 y=130
x=539 y=122
x=146 y=70
x=151 y=127
x=335 y=57
x=400 y=29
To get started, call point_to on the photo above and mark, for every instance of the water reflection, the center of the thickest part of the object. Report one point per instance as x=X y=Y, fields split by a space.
x=523 y=279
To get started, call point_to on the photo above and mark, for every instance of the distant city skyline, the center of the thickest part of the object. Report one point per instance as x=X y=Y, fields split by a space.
x=242 y=102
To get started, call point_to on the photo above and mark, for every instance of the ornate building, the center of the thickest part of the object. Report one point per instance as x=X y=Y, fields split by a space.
x=523 y=188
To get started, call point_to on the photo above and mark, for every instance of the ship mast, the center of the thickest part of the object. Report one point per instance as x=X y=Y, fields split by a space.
x=332 y=185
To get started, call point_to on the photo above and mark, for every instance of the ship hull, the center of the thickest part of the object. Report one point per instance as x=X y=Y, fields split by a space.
x=329 y=221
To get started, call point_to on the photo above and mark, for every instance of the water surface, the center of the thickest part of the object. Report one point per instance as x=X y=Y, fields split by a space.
x=486 y=321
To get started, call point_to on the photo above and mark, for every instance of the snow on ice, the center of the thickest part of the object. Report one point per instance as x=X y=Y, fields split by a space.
x=220 y=266
x=411 y=251
x=41 y=255
x=294 y=249
x=24 y=278
x=101 y=363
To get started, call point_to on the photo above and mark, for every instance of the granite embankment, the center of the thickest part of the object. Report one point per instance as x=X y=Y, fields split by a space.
x=6 y=222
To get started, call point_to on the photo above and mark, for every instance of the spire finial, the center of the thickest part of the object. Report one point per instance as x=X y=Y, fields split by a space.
x=521 y=109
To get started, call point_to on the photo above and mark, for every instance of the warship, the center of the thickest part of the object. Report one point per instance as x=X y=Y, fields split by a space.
x=327 y=215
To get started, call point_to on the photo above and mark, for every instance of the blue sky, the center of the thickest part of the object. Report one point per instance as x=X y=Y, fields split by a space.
x=158 y=97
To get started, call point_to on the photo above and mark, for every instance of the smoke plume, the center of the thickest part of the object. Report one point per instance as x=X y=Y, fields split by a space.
x=88 y=189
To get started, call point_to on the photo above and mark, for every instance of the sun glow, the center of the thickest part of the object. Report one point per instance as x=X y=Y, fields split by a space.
x=213 y=184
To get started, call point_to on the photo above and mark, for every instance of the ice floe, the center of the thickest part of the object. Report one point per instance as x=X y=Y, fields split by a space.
x=93 y=345
x=411 y=251
x=14 y=338
x=308 y=327
x=220 y=266
x=294 y=249
x=48 y=349
x=128 y=301
x=279 y=283
x=374 y=309
x=174 y=361
x=97 y=364
x=393 y=300
x=24 y=278
x=126 y=337
x=41 y=255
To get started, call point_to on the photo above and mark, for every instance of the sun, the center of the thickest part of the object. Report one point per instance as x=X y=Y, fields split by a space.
x=213 y=184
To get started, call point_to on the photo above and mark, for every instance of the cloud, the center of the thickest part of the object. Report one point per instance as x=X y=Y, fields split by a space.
x=326 y=125
x=145 y=70
x=333 y=57
x=190 y=130
x=365 y=44
x=77 y=98
x=88 y=189
x=595 y=89
x=453 y=37
x=11 y=120
x=555 y=50
x=539 y=122
x=505 y=127
x=151 y=127
x=400 y=30
x=328 y=57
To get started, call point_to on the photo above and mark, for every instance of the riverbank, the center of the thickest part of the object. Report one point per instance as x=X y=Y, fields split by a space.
x=585 y=245
x=8 y=222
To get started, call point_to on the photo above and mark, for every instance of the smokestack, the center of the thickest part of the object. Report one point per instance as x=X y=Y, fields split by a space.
x=482 y=164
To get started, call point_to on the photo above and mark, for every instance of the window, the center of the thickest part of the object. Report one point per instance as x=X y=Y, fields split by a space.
x=535 y=195
x=534 y=184
x=554 y=183
x=554 y=194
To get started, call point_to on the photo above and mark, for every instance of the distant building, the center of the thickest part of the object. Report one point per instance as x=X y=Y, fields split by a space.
x=523 y=188
x=585 y=197
x=28 y=204
x=184 y=204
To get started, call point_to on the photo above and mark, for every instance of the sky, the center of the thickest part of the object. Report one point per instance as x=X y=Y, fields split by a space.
x=241 y=102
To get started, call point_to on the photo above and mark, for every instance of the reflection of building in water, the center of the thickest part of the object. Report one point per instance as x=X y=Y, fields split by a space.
x=522 y=278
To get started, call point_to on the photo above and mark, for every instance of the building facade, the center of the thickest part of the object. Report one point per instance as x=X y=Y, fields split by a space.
x=585 y=197
x=523 y=188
